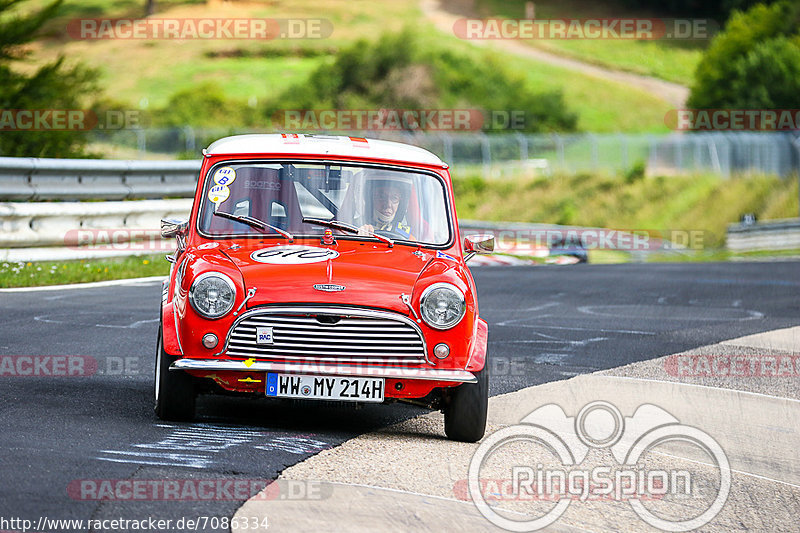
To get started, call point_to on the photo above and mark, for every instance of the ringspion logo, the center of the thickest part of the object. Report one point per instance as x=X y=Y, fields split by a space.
x=561 y=445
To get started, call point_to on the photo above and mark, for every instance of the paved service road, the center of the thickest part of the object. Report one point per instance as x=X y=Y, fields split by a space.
x=63 y=436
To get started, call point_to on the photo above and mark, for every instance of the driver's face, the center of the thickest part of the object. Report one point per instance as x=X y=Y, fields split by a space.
x=386 y=199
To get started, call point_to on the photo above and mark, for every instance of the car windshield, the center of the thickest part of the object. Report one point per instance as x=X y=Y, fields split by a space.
x=401 y=205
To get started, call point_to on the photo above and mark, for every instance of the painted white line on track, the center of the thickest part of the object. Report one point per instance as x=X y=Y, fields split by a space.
x=742 y=472
x=91 y=285
x=738 y=391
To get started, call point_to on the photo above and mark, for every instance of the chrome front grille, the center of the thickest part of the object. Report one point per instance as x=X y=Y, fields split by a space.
x=344 y=335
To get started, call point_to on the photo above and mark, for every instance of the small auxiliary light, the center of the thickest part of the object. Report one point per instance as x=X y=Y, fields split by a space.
x=210 y=340
x=327 y=237
x=441 y=350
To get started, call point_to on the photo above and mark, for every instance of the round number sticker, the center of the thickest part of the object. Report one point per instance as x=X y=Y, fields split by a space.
x=218 y=194
x=293 y=254
x=224 y=176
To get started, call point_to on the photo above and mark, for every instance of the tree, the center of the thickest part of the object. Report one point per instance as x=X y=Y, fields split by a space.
x=53 y=86
x=719 y=10
x=754 y=63
x=149 y=7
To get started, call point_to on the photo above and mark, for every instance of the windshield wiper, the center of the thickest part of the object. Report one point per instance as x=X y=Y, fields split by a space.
x=254 y=223
x=347 y=228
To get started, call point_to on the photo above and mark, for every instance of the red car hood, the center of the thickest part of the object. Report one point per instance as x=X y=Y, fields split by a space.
x=372 y=275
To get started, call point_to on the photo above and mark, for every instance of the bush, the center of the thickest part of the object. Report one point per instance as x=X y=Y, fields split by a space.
x=398 y=73
x=471 y=184
x=202 y=106
x=636 y=172
x=753 y=63
x=717 y=9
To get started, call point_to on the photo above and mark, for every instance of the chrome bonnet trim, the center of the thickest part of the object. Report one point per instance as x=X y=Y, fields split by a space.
x=327 y=369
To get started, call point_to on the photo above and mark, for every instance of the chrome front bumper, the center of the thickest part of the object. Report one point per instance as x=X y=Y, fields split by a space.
x=329 y=369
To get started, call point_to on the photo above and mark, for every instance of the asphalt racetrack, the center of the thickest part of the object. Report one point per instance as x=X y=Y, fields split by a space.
x=546 y=324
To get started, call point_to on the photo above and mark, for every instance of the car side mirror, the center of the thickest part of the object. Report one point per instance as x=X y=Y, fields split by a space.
x=478 y=244
x=171 y=227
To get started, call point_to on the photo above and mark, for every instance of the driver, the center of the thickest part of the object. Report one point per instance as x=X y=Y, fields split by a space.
x=387 y=202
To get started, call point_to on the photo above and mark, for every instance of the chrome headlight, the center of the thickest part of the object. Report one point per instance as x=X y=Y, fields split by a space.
x=212 y=294
x=442 y=306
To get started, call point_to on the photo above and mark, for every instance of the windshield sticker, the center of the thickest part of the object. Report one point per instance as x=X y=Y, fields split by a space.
x=224 y=176
x=218 y=194
x=293 y=255
x=267 y=185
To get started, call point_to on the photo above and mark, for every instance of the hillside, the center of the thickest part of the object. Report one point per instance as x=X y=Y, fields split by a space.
x=671 y=60
x=254 y=72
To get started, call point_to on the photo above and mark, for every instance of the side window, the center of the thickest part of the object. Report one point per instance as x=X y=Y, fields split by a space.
x=277 y=210
x=310 y=206
x=242 y=208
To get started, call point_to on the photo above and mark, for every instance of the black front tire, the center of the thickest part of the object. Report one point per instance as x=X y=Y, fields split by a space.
x=466 y=409
x=174 y=391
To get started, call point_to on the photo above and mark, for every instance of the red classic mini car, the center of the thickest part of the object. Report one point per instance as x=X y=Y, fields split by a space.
x=323 y=268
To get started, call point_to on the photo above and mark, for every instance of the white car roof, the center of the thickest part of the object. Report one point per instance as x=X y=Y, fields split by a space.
x=293 y=143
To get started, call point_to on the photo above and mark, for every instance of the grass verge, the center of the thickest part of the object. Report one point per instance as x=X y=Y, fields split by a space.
x=84 y=271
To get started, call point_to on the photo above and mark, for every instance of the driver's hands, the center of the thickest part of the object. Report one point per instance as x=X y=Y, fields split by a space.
x=366 y=229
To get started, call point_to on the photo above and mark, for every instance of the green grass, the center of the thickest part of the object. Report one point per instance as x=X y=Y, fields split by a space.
x=241 y=78
x=65 y=272
x=670 y=60
x=602 y=106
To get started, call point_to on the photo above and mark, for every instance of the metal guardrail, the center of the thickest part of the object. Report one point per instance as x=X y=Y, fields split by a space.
x=25 y=179
x=774 y=235
x=65 y=224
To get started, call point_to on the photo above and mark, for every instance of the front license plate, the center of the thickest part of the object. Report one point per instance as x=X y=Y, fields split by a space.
x=325 y=387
